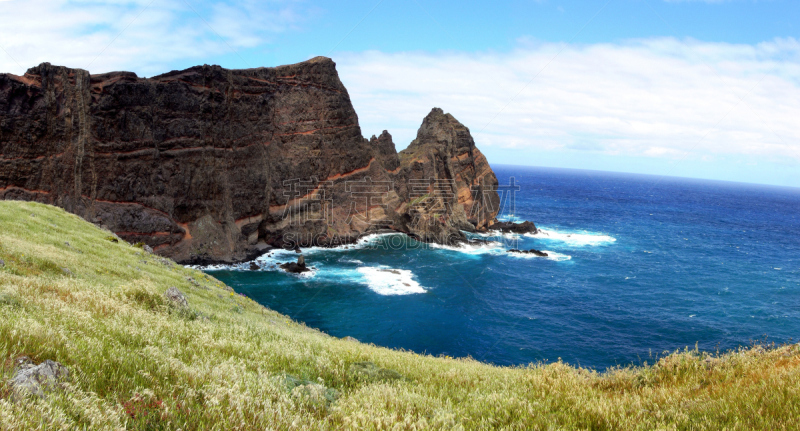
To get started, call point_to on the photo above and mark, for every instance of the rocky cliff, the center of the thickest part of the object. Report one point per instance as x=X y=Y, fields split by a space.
x=208 y=164
x=460 y=189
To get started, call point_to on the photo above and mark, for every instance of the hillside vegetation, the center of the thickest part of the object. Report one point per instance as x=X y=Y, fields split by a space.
x=72 y=293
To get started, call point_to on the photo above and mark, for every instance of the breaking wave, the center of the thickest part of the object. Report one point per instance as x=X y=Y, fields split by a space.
x=577 y=239
x=491 y=247
x=389 y=281
x=551 y=255
x=509 y=217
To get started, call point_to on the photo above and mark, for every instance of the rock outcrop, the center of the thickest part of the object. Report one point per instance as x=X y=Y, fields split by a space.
x=511 y=227
x=31 y=379
x=215 y=165
x=532 y=251
x=298 y=267
x=176 y=297
x=449 y=185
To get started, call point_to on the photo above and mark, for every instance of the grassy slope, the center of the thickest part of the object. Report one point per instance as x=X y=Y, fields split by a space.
x=138 y=364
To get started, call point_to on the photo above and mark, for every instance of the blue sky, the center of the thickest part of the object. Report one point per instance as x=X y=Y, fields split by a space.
x=706 y=89
x=320 y=28
x=410 y=25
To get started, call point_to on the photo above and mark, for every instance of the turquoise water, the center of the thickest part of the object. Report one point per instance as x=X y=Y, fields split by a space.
x=638 y=265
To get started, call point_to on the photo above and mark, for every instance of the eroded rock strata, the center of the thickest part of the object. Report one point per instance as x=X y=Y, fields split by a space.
x=214 y=165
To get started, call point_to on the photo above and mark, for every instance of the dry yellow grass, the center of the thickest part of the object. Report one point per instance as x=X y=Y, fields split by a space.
x=138 y=363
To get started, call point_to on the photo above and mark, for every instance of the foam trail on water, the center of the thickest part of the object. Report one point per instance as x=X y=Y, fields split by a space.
x=558 y=257
x=389 y=281
x=508 y=217
x=363 y=242
x=573 y=238
x=470 y=249
x=266 y=262
x=381 y=279
x=495 y=234
x=271 y=259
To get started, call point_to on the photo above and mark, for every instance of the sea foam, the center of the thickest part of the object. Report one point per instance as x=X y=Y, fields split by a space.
x=509 y=218
x=573 y=238
x=494 y=234
x=491 y=247
x=551 y=255
x=270 y=260
x=389 y=281
x=380 y=279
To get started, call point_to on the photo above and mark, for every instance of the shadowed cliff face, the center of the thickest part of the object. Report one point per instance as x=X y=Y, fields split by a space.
x=209 y=164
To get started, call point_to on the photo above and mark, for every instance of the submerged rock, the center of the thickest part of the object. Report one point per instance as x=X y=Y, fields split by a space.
x=531 y=251
x=175 y=297
x=390 y=271
x=33 y=379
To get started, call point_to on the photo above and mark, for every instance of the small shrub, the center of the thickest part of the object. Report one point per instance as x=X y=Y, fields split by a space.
x=27 y=265
x=149 y=300
x=313 y=393
x=7 y=300
x=186 y=313
x=369 y=372
x=112 y=238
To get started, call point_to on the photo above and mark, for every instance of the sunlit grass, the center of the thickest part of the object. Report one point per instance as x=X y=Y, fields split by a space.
x=70 y=294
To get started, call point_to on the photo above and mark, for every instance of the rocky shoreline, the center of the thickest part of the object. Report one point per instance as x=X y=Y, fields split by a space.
x=511 y=227
x=209 y=165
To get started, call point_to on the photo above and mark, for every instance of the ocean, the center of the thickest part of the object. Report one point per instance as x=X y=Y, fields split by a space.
x=637 y=266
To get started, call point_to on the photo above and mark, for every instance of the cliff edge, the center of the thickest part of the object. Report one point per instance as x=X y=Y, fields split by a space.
x=214 y=165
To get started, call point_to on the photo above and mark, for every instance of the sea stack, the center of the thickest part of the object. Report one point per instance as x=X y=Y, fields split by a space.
x=460 y=186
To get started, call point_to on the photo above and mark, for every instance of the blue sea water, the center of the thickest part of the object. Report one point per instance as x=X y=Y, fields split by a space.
x=638 y=265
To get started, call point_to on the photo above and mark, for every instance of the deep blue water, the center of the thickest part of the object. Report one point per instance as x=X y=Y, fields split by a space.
x=639 y=265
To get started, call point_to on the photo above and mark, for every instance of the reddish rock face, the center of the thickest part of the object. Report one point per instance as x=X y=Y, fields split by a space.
x=214 y=165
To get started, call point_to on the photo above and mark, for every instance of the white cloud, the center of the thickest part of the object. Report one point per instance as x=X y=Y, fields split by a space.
x=141 y=35
x=663 y=98
x=657 y=98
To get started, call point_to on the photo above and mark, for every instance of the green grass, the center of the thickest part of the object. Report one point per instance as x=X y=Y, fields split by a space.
x=228 y=363
x=419 y=199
